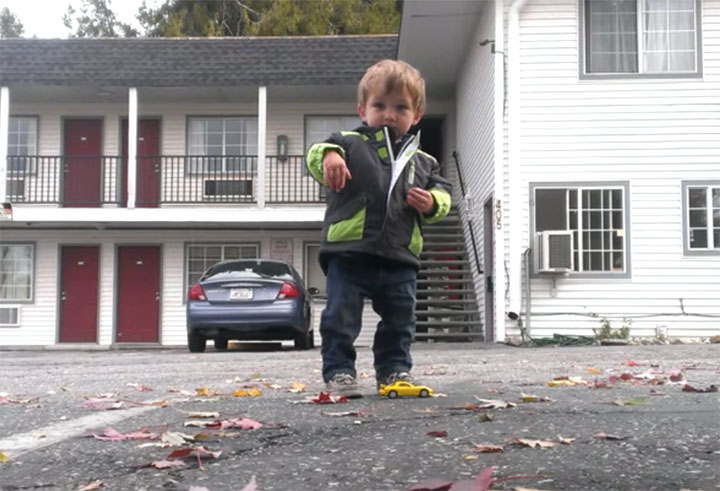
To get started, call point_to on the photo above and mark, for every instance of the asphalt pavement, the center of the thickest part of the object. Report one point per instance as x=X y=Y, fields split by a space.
x=617 y=417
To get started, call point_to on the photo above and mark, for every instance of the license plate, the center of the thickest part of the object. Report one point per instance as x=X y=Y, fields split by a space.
x=241 y=294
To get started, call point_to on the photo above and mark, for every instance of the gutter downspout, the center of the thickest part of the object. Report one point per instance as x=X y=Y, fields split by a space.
x=499 y=178
x=514 y=154
x=4 y=127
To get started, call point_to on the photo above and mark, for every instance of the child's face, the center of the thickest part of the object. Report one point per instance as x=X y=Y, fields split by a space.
x=394 y=109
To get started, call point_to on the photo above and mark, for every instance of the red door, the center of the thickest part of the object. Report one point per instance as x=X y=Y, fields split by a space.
x=138 y=310
x=79 y=294
x=82 y=170
x=147 y=188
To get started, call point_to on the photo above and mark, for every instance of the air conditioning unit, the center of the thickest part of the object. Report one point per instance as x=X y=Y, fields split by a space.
x=10 y=315
x=555 y=251
x=15 y=189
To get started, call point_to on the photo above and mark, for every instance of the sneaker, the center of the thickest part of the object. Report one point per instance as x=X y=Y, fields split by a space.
x=395 y=377
x=343 y=384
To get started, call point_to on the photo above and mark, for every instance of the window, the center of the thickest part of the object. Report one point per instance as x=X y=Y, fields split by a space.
x=701 y=216
x=22 y=142
x=227 y=145
x=647 y=37
x=318 y=128
x=596 y=214
x=201 y=256
x=16 y=272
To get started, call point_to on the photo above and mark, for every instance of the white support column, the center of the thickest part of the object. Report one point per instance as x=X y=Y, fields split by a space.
x=132 y=146
x=262 y=126
x=4 y=125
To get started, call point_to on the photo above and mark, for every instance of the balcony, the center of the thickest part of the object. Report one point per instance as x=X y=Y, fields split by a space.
x=100 y=181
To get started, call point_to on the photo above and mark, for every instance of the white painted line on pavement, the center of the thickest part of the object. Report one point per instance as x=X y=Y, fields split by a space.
x=21 y=443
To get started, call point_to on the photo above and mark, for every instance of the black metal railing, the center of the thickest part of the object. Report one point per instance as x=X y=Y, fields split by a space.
x=186 y=179
x=287 y=181
x=88 y=181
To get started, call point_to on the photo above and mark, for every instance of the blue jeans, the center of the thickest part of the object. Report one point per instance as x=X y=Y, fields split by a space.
x=391 y=286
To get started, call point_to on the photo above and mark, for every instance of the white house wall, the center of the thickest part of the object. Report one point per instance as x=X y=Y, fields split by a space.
x=653 y=134
x=475 y=135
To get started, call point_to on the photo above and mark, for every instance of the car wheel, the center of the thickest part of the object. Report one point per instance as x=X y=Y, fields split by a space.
x=423 y=393
x=302 y=341
x=392 y=394
x=196 y=343
x=221 y=344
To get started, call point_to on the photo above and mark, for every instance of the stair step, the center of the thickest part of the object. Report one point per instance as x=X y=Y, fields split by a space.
x=447 y=324
x=457 y=281
x=446 y=312
x=445 y=302
x=449 y=246
x=434 y=254
x=421 y=336
x=443 y=262
x=426 y=292
x=444 y=272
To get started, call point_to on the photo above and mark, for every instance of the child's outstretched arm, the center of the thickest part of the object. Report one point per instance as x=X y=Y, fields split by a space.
x=326 y=163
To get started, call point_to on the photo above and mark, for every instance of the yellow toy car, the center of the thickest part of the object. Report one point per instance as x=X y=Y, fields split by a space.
x=401 y=388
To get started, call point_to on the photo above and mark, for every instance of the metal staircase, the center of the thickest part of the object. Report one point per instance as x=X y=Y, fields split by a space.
x=447 y=308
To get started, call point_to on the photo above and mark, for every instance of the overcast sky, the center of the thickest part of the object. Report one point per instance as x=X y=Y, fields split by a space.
x=43 y=18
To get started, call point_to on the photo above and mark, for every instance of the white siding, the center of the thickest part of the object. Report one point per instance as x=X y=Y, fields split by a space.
x=476 y=135
x=39 y=319
x=651 y=133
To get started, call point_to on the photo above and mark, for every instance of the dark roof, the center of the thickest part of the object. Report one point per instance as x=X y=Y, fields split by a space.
x=175 y=62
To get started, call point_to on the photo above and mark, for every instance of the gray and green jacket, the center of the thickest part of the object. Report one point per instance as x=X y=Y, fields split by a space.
x=368 y=217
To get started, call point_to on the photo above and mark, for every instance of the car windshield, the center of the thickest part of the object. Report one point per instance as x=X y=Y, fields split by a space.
x=249 y=269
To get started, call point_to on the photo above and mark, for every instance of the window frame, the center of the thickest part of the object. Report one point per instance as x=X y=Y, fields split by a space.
x=686 y=185
x=581 y=186
x=33 y=274
x=33 y=161
x=222 y=244
x=582 y=55
x=205 y=171
x=308 y=117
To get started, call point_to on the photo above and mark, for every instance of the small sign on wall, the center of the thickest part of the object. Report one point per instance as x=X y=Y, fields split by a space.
x=281 y=250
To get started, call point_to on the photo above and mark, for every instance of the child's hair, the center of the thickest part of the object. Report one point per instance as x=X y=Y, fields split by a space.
x=394 y=74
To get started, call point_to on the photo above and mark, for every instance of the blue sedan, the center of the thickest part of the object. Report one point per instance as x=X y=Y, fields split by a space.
x=250 y=299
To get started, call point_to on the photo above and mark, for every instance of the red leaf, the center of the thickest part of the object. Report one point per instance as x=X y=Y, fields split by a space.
x=180 y=453
x=690 y=388
x=627 y=376
x=164 y=464
x=114 y=435
x=241 y=423
x=432 y=485
x=324 y=398
x=482 y=482
x=631 y=363
x=438 y=434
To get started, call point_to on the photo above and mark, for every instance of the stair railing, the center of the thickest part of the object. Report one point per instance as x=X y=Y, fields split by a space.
x=468 y=213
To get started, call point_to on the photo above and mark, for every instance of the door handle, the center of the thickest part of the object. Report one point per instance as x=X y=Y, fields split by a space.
x=157 y=296
x=62 y=296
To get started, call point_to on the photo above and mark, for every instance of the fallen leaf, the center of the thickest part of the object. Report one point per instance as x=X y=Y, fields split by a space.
x=534 y=443
x=485 y=417
x=113 y=435
x=438 y=433
x=534 y=398
x=3 y=457
x=240 y=423
x=164 y=464
x=632 y=402
x=690 y=388
x=93 y=485
x=631 y=363
x=198 y=488
x=204 y=414
x=565 y=441
x=198 y=451
x=183 y=392
x=489 y=448
x=605 y=436
x=494 y=404
x=470 y=457
x=296 y=387
x=567 y=382
x=324 y=398
x=344 y=413
x=253 y=392
x=251 y=486
x=202 y=391
x=176 y=438
x=139 y=387
x=593 y=371
x=600 y=384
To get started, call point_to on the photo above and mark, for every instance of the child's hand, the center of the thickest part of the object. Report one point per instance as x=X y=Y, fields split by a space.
x=335 y=171
x=420 y=199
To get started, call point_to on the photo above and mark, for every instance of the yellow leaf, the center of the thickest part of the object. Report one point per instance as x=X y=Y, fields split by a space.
x=560 y=383
x=3 y=457
x=202 y=391
x=470 y=457
x=297 y=387
x=594 y=371
x=254 y=392
x=241 y=393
